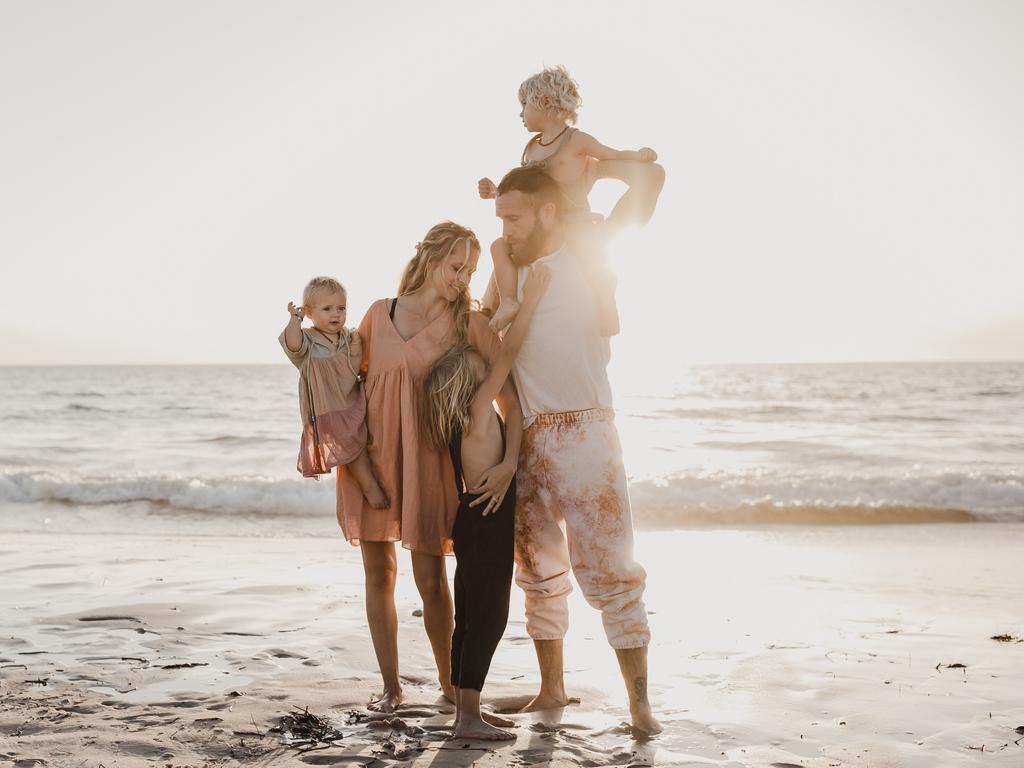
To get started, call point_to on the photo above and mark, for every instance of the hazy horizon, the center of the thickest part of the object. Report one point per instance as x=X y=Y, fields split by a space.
x=845 y=180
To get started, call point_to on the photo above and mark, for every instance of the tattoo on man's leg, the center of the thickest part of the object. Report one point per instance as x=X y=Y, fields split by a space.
x=640 y=687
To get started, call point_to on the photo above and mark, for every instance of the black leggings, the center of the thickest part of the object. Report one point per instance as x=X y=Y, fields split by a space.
x=483 y=578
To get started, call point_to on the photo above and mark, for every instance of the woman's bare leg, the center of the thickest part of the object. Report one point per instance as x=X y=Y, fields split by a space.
x=438 y=614
x=381 y=569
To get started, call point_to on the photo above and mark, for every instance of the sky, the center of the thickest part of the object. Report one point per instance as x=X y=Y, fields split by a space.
x=845 y=180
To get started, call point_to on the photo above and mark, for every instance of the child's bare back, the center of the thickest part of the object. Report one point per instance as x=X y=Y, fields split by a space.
x=549 y=102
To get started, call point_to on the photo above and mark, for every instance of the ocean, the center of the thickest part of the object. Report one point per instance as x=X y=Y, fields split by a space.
x=212 y=448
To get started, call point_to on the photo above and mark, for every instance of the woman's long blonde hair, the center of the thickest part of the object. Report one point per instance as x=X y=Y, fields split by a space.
x=440 y=242
x=449 y=389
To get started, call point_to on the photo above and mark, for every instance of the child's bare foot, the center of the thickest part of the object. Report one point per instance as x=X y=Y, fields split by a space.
x=388 y=702
x=505 y=314
x=497 y=720
x=478 y=729
x=376 y=496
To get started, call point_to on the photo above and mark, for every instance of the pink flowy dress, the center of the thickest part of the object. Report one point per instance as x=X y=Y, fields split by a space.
x=418 y=480
x=331 y=400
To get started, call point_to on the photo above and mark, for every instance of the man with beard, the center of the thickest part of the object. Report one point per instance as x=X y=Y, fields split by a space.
x=570 y=467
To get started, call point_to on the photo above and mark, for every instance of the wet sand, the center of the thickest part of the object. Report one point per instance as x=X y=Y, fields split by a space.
x=781 y=645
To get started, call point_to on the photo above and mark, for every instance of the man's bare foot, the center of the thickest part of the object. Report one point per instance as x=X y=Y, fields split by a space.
x=543 y=701
x=643 y=721
x=478 y=729
x=388 y=702
x=505 y=314
x=496 y=720
x=376 y=496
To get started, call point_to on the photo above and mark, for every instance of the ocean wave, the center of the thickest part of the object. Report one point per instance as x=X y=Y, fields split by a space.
x=730 y=498
x=245 y=439
x=770 y=496
x=730 y=413
x=240 y=494
x=85 y=408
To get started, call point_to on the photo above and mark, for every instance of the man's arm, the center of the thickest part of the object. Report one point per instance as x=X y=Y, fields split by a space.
x=636 y=206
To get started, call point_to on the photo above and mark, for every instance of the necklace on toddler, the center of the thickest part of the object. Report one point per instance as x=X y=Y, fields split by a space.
x=541 y=141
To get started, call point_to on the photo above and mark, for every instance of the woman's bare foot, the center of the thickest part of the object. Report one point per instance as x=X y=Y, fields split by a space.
x=497 y=720
x=643 y=721
x=376 y=496
x=478 y=729
x=448 y=691
x=388 y=702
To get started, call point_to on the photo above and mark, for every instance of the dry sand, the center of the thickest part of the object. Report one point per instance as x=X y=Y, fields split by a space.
x=773 y=646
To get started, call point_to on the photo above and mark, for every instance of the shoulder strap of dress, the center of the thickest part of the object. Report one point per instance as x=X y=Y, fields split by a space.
x=391 y=312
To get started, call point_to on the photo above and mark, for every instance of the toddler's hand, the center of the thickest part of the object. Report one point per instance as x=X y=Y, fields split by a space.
x=487 y=189
x=295 y=311
x=536 y=282
x=647 y=155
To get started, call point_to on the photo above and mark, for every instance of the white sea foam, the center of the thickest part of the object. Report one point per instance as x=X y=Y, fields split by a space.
x=873 y=442
x=246 y=495
x=742 y=497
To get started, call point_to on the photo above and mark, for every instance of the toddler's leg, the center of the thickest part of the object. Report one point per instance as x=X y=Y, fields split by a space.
x=363 y=473
x=505 y=272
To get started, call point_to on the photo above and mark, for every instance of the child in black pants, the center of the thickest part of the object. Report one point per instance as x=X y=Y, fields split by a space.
x=459 y=415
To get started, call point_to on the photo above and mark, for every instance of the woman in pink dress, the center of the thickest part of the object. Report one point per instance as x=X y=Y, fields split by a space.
x=401 y=340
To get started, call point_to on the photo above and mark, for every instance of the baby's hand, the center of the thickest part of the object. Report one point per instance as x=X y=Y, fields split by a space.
x=487 y=189
x=647 y=155
x=295 y=311
x=536 y=282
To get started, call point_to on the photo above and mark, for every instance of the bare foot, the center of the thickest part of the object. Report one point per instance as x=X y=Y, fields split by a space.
x=478 y=729
x=388 y=702
x=497 y=720
x=540 y=702
x=505 y=314
x=376 y=497
x=644 y=723
x=448 y=691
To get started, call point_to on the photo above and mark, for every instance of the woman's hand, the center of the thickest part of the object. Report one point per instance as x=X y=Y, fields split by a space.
x=487 y=189
x=647 y=155
x=492 y=486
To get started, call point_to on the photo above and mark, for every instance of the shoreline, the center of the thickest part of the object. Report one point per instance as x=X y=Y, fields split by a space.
x=806 y=645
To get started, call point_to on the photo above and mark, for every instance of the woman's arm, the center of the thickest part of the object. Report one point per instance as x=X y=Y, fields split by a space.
x=493 y=484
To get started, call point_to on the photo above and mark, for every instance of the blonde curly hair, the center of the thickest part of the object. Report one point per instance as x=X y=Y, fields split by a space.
x=552 y=90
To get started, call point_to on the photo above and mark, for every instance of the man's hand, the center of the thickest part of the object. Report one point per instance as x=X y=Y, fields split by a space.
x=492 y=487
x=487 y=189
x=295 y=311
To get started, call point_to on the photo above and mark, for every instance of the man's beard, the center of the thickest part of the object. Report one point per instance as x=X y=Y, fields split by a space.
x=529 y=249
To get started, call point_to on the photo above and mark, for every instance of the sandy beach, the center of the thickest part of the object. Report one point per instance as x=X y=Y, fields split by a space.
x=830 y=646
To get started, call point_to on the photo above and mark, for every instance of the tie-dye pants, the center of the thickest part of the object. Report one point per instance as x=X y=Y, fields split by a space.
x=573 y=511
